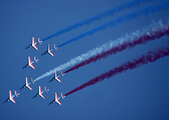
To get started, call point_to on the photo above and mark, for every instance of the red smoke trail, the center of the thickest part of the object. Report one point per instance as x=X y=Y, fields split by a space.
x=151 y=56
x=143 y=39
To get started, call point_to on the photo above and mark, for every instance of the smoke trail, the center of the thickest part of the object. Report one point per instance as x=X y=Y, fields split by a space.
x=99 y=16
x=151 y=56
x=144 y=11
x=105 y=47
x=152 y=35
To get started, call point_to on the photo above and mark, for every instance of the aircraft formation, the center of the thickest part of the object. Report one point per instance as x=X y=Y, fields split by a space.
x=30 y=64
x=129 y=16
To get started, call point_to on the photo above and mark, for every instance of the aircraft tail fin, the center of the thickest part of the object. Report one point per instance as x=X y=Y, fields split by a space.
x=55 y=47
x=62 y=73
x=36 y=60
x=32 y=81
x=17 y=94
x=62 y=95
x=47 y=90
x=39 y=41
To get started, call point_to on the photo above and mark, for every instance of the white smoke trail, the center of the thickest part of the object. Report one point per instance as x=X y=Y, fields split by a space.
x=105 y=47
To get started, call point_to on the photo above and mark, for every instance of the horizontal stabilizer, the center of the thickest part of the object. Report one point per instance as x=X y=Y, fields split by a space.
x=47 y=90
x=55 y=47
x=62 y=96
x=39 y=41
x=36 y=60
x=62 y=73
x=32 y=81
x=17 y=94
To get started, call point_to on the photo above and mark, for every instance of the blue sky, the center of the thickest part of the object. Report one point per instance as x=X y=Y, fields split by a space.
x=141 y=93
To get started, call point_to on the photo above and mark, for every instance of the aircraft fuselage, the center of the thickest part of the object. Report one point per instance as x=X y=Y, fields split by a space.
x=45 y=53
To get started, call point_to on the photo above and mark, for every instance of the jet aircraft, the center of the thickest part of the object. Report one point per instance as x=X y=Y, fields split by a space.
x=41 y=92
x=57 y=99
x=49 y=50
x=11 y=97
x=30 y=63
x=28 y=84
x=34 y=43
x=56 y=77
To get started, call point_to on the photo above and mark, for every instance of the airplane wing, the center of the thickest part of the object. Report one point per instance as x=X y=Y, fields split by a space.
x=49 y=50
x=10 y=97
x=40 y=93
x=27 y=84
x=33 y=43
x=57 y=100
x=30 y=63
x=56 y=76
x=29 y=60
x=42 y=96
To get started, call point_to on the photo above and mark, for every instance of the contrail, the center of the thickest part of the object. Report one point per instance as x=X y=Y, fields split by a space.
x=99 y=16
x=98 y=50
x=151 y=56
x=143 y=39
x=144 y=11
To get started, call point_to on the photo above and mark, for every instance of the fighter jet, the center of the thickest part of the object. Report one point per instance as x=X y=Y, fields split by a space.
x=34 y=43
x=31 y=63
x=28 y=84
x=12 y=96
x=57 y=99
x=41 y=92
x=49 y=50
x=56 y=77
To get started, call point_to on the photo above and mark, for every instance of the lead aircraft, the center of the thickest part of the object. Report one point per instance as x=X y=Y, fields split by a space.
x=28 y=84
x=12 y=96
x=34 y=43
x=41 y=92
x=49 y=50
x=30 y=63
x=57 y=99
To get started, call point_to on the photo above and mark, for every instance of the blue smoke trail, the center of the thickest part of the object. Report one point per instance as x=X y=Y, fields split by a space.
x=99 y=16
x=144 y=11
